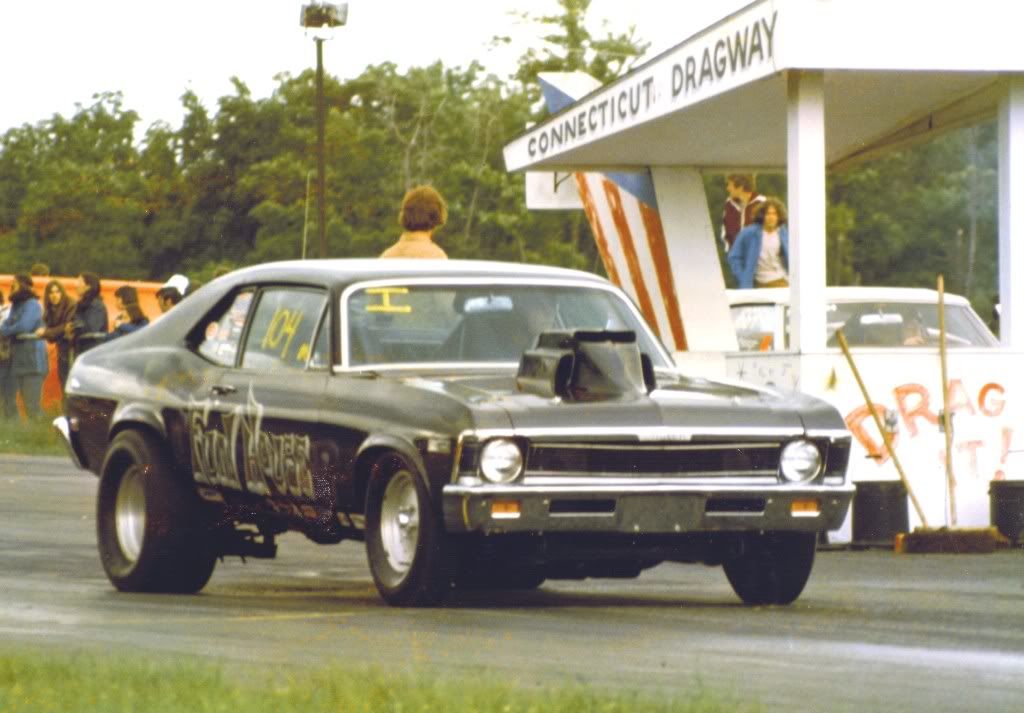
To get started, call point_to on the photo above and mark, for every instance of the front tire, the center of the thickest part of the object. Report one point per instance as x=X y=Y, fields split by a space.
x=149 y=523
x=410 y=556
x=772 y=568
x=474 y=575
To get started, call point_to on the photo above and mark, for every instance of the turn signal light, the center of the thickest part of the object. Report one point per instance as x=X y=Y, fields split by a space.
x=505 y=509
x=804 y=508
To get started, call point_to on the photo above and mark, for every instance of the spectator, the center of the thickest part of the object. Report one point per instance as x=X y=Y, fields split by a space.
x=129 y=317
x=88 y=325
x=423 y=211
x=171 y=292
x=40 y=269
x=760 y=254
x=167 y=297
x=8 y=408
x=914 y=333
x=58 y=311
x=28 y=353
x=741 y=206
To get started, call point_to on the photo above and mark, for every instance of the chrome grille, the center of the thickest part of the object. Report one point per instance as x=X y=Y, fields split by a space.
x=667 y=460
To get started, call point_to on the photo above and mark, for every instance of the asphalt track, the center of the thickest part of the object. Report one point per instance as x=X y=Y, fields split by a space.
x=873 y=631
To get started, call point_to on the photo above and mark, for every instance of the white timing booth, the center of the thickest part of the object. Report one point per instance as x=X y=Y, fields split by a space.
x=805 y=87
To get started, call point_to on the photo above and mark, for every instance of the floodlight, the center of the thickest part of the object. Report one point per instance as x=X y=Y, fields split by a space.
x=324 y=14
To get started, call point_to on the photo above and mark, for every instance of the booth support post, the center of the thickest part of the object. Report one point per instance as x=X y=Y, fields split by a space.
x=805 y=172
x=696 y=270
x=1011 y=214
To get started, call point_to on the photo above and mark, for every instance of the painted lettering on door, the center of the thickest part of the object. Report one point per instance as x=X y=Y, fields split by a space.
x=272 y=464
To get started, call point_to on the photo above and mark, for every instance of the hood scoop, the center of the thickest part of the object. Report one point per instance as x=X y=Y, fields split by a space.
x=586 y=365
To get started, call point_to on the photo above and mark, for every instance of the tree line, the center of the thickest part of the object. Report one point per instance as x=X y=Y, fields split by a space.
x=229 y=186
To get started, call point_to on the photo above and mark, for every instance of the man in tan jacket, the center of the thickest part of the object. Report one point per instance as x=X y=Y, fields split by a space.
x=423 y=212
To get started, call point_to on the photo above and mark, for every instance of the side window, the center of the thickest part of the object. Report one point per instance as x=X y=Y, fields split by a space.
x=223 y=331
x=281 y=334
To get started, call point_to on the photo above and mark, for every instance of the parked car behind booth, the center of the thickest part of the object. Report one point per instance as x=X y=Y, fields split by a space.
x=868 y=316
x=893 y=335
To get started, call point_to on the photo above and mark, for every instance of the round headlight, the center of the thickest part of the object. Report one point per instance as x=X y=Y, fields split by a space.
x=800 y=461
x=501 y=461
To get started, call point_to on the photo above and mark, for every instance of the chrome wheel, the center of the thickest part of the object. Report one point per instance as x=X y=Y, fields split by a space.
x=130 y=514
x=400 y=522
x=152 y=531
x=410 y=557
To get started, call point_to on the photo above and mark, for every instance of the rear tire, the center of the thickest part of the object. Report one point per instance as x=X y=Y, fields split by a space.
x=772 y=568
x=150 y=525
x=410 y=557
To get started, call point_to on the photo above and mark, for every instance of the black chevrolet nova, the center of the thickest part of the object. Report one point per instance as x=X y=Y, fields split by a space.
x=479 y=425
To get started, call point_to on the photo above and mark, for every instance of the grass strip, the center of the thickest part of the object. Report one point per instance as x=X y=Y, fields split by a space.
x=42 y=682
x=34 y=437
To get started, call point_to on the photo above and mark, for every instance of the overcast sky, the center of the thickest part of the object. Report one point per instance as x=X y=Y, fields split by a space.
x=57 y=53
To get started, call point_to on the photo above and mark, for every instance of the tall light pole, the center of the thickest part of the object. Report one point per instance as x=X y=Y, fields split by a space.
x=318 y=16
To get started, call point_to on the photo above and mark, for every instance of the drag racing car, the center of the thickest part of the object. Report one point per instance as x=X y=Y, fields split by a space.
x=479 y=425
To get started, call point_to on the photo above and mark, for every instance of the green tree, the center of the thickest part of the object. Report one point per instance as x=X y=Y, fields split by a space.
x=80 y=203
x=568 y=46
x=912 y=214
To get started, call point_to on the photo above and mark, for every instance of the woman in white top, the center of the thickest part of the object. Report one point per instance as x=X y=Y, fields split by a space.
x=760 y=255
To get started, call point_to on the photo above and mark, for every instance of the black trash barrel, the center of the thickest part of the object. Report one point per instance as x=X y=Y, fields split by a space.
x=879 y=512
x=1006 y=507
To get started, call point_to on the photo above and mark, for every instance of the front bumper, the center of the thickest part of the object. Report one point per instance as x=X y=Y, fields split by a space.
x=644 y=509
x=63 y=429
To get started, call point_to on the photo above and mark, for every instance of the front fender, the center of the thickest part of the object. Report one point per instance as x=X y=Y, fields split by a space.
x=375 y=443
x=132 y=414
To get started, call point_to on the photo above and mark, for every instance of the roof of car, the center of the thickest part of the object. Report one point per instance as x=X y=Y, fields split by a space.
x=780 y=295
x=342 y=271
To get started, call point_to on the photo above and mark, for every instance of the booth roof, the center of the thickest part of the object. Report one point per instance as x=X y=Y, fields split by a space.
x=894 y=72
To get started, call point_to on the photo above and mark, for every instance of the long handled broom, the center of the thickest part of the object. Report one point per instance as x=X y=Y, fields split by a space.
x=886 y=436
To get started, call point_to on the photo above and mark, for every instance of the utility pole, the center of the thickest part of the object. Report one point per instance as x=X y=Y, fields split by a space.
x=321 y=16
x=321 y=170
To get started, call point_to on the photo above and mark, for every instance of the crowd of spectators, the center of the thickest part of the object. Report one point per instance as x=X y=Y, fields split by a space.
x=72 y=324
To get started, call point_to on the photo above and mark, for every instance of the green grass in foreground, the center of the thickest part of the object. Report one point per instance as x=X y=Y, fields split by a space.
x=34 y=437
x=37 y=681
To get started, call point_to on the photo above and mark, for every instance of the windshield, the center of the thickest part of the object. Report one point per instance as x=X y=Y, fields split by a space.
x=905 y=324
x=426 y=323
x=760 y=327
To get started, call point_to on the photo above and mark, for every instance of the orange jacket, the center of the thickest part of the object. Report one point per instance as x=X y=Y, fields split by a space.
x=415 y=245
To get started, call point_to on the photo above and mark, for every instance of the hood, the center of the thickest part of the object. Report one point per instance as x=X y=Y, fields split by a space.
x=678 y=402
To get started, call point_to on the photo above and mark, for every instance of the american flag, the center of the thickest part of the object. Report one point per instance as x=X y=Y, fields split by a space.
x=623 y=213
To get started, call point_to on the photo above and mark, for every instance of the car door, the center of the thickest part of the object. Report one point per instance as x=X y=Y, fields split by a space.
x=272 y=400
x=209 y=416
